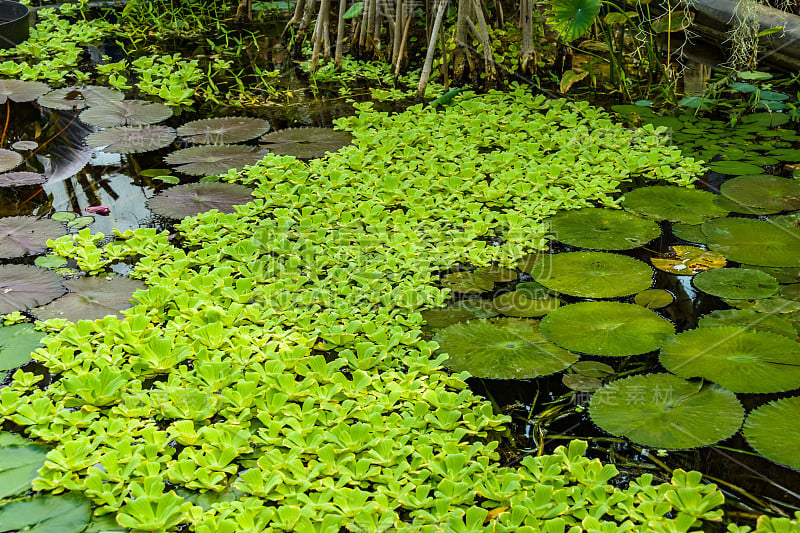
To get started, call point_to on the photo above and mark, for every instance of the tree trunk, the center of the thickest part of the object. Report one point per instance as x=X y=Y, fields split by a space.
x=441 y=7
x=462 y=58
x=399 y=24
x=488 y=58
x=403 y=44
x=320 y=33
x=340 y=33
x=527 y=53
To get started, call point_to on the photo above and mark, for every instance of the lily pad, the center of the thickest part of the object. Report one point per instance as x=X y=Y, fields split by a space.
x=223 y=130
x=593 y=274
x=515 y=304
x=190 y=199
x=19 y=463
x=25 y=145
x=306 y=143
x=748 y=319
x=533 y=289
x=16 y=344
x=467 y=282
x=755 y=242
x=80 y=97
x=606 y=328
x=790 y=292
x=665 y=411
x=734 y=168
x=18 y=179
x=50 y=261
x=125 y=113
x=26 y=235
x=766 y=119
x=774 y=305
x=213 y=159
x=738 y=359
x=131 y=139
x=765 y=192
x=21 y=91
x=736 y=283
x=458 y=312
x=689 y=232
x=602 y=229
x=9 y=160
x=506 y=348
x=783 y=275
x=498 y=274
x=593 y=369
x=772 y=431
x=676 y=204
x=654 y=298
x=90 y=298
x=23 y=287
x=67 y=513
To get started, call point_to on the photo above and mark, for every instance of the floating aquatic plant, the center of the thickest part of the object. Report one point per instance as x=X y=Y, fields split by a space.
x=21 y=90
x=734 y=168
x=736 y=283
x=459 y=311
x=18 y=179
x=23 y=287
x=748 y=319
x=125 y=113
x=90 y=298
x=654 y=298
x=606 y=328
x=602 y=229
x=9 y=160
x=688 y=260
x=675 y=204
x=223 y=130
x=501 y=348
x=665 y=411
x=76 y=97
x=212 y=159
x=131 y=139
x=190 y=199
x=25 y=145
x=518 y=305
x=67 y=513
x=689 y=232
x=467 y=282
x=306 y=143
x=593 y=274
x=772 y=431
x=16 y=344
x=26 y=235
x=19 y=461
x=738 y=359
x=769 y=194
x=754 y=242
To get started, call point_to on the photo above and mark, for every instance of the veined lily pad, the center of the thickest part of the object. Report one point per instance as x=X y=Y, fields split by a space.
x=579 y=382
x=738 y=359
x=783 y=275
x=9 y=160
x=774 y=305
x=79 y=97
x=190 y=199
x=223 y=130
x=764 y=192
x=515 y=304
x=689 y=232
x=90 y=298
x=25 y=145
x=498 y=274
x=734 y=168
x=766 y=119
x=593 y=274
x=748 y=319
x=755 y=242
x=27 y=235
x=21 y=91
x=735 y=207
x=19 y=462
x=213 y=159
x=736 y=283
x=790 y=292
x=306 y=143
x=125 y=113
x=602 y=229
x=665 y=411
x=16 y=344
x=67 y=513
x=534 y=290
x=458 y=312
x=772 y=431
x=606 y=328
x=467 y=282
x=593 y=369
x=23 y=287
x=676 y=204
x=654 y=298
x=131 y=139
x=501 y=349
x=18 y=179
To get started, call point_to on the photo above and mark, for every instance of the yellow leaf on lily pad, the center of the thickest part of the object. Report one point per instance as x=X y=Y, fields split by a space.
x=688 y=260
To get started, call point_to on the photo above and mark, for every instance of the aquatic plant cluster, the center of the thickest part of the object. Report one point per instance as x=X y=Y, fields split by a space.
x=274 y=372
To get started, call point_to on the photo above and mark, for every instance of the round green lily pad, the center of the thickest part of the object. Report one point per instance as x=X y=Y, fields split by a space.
x=498 y=274
x=16 y=344
x=734 y=168
x=516 y=304
x=774 y=305
x=748 y=319
x=790 y=292
x=783 y=275
x=654 y=298
x=606 y=328
x=665 y=411
x=736 y=358
x=602 y=229
x=505 y=348
x=755 y=242
x=764 y=191
x=676 y=204
x=458 y=312
x=689 y=232
x=737 y=207
x=736 y=283
x=766 y=119
x=772 y=431
x=579 y=382
x=467 y=282
x=593 y=369
x=593 y=274
x=533 y=289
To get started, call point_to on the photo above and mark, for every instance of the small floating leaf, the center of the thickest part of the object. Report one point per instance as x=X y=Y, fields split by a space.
x=766 y=119
x=505 y=348
x=63 y=216
x=593 y=369
x=665 y=411
x=9 y=160
x=533 y=289
x=593 y=274
x=580 y=382
x=783 y=275
x=738 y=359
x=21 y=90
x=602 y=229
x=306 y=143
x=16 y=344
x=459 y=311
x=23 y=287
x=25 y=145
x=80 y=222
x=90 y=298
x=498 y=274
x=755 y=242
x=17 y=179
x=676 y=204
x=734 y=168
x=131 y=139
x=736 y=283
x=192 y=198
x=772 y=431
x=50 y=261
x=26 y=235
x=213 y=159
x=790 y=292
x=747 y=319
x=125 y=113
x=654 y=298
x=223 y=130
x=606 y=328
x=689 y=233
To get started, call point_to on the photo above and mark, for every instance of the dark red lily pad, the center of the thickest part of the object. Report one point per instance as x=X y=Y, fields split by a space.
x=18 y=179
x=79 y=97
x=306 y=143
x=21 y=91
x=126 y=112
x=131 y=139
x=211 y=160
x=223 y=130
x=90 y=298
x=193 y=198
x=27 y=235
x=23 y=287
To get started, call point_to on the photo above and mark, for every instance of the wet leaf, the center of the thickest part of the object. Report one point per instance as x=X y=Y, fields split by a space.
x=18 y=179
x=23 y=287
x=211 y=160
x=223 y=130
x=9 y=160
x=125 y=113
x=131 y=139
x=306 y=143
x=16 y=344
x=688 y=260
x=192 y=198
x=26 y=235
x=21 y=90
x=90 y=298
